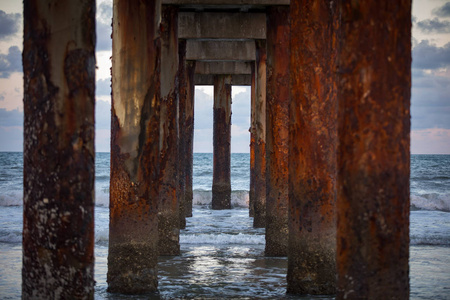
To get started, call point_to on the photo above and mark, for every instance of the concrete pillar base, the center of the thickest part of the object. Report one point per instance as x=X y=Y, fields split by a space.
x=130 y=272
x=169 y=240
x=312 y=270
x=221 y=196
x=276 y=236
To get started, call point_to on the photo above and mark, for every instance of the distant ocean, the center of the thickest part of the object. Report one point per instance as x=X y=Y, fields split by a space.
x=222 y=255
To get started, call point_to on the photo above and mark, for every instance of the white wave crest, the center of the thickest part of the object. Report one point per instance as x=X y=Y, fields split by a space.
x=238 y=198
x=222 y=239
x=431 y=202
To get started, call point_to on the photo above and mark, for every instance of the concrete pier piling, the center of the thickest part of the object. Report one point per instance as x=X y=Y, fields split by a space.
x=277 y=144
x=182 y=153
x=312 y=150
x=251 y=196
x=221 y=189
x=59 y=170
x=259 y=202
x=133 y=228
x=169 y=193
x=188 y=132
x=374 y=89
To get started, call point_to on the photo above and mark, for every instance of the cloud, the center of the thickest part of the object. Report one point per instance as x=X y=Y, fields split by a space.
x=12 y=138
x=443 y=11
x=434 y=26
x=9 y=24
x=104 y=29
x=428 y=56
x=11 y=117
x=102 y=115
x=11 y=62
x=103 y=87
x=430 y=141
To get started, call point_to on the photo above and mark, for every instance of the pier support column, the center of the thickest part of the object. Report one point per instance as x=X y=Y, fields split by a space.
x=168 y=210
x=251 y=196
x=188 y=132
x=374 y=89
x=133 y=227
x=259 y=203
x=312 y=150
x=59 y=154
x=182 y=153
x=221 y=189
x=277 y=144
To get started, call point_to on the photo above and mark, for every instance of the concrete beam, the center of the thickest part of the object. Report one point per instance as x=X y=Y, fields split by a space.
x=58 y=162
x=373 y=159
x=218 y=25
x=227 y=2
x=201 y=79
x=224 y=67
x=220 y=50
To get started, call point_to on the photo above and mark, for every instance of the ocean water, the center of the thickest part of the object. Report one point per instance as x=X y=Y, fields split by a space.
x=222 y=255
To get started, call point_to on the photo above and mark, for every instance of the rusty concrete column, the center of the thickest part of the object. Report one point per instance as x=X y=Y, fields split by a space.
x=277 y=118
x=374 y=89
x=259 y=220
x=221 y=189
x=182 y=153
x=133 y=227
x=312 y=150
x=168 y=210
x=59 y=154
x=251 y=196
x=188 y=132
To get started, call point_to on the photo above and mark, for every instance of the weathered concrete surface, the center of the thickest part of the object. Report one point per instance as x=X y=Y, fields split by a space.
x=221 y=25
x=374 y=90
x=220 y=50
x=224 y=67
x=189 y=134
x=219 y=3
x=169 y=193
x=313 y=139
x=259 y=203
x=251 y=209
x=277 y=146
x=221 y=189
x=59 y=170
x=182 y=153
x=239 y=79
x=133 y=228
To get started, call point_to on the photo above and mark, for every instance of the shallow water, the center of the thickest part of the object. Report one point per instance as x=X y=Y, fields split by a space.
x=222 y=255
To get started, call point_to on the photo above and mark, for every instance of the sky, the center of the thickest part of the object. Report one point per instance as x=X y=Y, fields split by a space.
x=430 y=94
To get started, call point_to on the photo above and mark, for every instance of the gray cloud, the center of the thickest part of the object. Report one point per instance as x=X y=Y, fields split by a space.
x=104 y=41
x=203 y=117
x=434 y=26
x=9 y=24
x=103 y=87
x=443 y=11
x=428 y=56
x=11 y=117
x=11 y=62
x=430 y=100
x=241 y=109
x=104 y=29
x=102 y=115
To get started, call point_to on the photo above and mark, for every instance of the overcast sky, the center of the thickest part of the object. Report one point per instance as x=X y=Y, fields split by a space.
x=430 y=100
